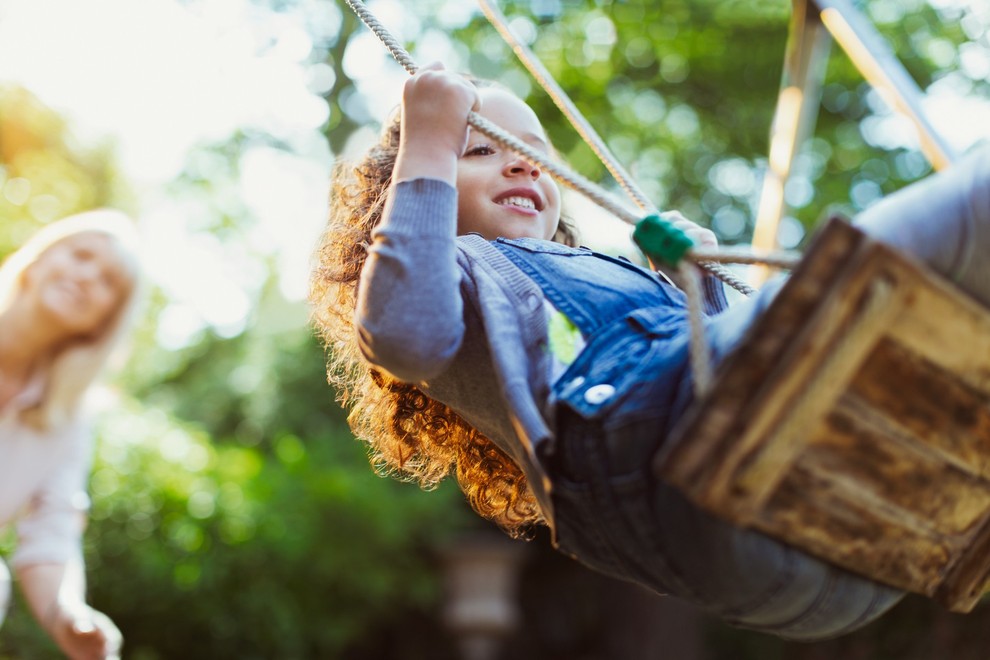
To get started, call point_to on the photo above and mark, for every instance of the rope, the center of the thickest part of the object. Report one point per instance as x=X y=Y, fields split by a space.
x=593 y=192
x=562 y=101
x=588 y=133
x=701 y=366
x=567 y=177
x=393 y=46
x=570 y=179
x=779 y=259
x=728 y=277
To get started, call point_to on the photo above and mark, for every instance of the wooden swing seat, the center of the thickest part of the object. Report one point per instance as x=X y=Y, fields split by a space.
x=854 y=422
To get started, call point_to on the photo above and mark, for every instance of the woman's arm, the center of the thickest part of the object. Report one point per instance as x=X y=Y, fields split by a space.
x=48 y=558
x=56 y=595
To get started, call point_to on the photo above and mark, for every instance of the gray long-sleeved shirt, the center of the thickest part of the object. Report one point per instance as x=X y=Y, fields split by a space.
x=455 y=317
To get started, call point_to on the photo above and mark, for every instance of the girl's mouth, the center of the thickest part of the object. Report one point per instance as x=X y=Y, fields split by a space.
x=519 y=203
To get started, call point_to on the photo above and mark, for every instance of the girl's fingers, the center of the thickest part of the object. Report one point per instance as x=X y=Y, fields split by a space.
x=694 y=231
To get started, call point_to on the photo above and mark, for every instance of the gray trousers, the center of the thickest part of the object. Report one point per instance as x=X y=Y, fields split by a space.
x=944 y=220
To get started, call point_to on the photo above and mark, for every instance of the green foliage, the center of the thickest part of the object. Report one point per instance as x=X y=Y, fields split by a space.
x=270 y=537
x=42 y=176
x=273 y=542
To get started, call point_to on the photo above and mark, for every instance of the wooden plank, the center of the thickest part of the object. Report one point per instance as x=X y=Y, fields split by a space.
x=895 y=474
x=843 y=332
x=941 y=412
x=969 y=577
x=738 y=385
x=925 y=331
x=812 y=512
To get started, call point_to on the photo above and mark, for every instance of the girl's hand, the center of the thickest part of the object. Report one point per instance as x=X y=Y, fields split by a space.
x=702 y=237
x=85 y=634
x=433 y=132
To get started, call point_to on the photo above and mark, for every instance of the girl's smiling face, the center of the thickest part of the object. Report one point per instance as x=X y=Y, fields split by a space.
x=498 y=192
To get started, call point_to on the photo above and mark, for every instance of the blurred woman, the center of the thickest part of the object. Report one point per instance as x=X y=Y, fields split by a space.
x=66 y=298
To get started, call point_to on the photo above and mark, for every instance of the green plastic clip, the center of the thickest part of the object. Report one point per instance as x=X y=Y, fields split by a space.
x=661 y=241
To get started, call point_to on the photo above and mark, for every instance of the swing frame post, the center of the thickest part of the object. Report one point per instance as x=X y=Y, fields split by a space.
x=873 y=57
x=808 y=46
x=815 y=24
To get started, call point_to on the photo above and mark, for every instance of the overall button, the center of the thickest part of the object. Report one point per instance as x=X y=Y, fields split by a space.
x=597 y=394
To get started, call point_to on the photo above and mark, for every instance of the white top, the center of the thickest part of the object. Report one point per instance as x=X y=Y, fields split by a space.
x=43 y=477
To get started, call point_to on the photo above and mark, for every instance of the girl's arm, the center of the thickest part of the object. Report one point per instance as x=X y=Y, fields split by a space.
x=409 y=308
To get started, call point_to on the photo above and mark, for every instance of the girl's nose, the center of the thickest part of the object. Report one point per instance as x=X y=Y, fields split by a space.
x=519 y=166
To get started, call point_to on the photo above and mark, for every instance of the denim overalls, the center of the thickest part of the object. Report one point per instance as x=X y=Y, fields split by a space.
x=613 y=408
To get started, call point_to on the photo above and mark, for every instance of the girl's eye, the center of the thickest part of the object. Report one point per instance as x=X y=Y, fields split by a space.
x=479 y=150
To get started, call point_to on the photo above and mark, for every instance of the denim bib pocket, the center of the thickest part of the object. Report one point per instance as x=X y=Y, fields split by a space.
x=634 y=366
x=658 y=322
x=602 y=375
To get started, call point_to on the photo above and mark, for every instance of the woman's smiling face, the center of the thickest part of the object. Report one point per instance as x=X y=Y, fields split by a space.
x=498 y=192
x=78 y=283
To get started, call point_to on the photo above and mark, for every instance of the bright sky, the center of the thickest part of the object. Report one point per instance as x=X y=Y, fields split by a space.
x=160 y=78
x=157 y=75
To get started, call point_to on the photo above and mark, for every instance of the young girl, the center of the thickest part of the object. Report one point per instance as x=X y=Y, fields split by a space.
x=65 y=298
x=467 y=333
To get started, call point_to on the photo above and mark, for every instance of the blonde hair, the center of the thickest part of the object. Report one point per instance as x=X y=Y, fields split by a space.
x=410 y=435
x=75 y=367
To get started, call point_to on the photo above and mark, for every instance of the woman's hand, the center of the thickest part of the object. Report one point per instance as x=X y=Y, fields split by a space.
x=433 y=132
x=85 y=634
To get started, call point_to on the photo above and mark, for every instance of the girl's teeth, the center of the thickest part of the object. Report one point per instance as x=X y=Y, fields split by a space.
x=523 y=202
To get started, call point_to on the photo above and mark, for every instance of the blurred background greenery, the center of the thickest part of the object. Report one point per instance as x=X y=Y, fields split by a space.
x=234 y=516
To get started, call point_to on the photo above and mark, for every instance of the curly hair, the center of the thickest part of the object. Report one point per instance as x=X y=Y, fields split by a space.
x=410 y=435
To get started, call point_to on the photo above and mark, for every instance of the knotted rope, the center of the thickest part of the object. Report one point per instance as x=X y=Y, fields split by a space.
x=588 y=133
